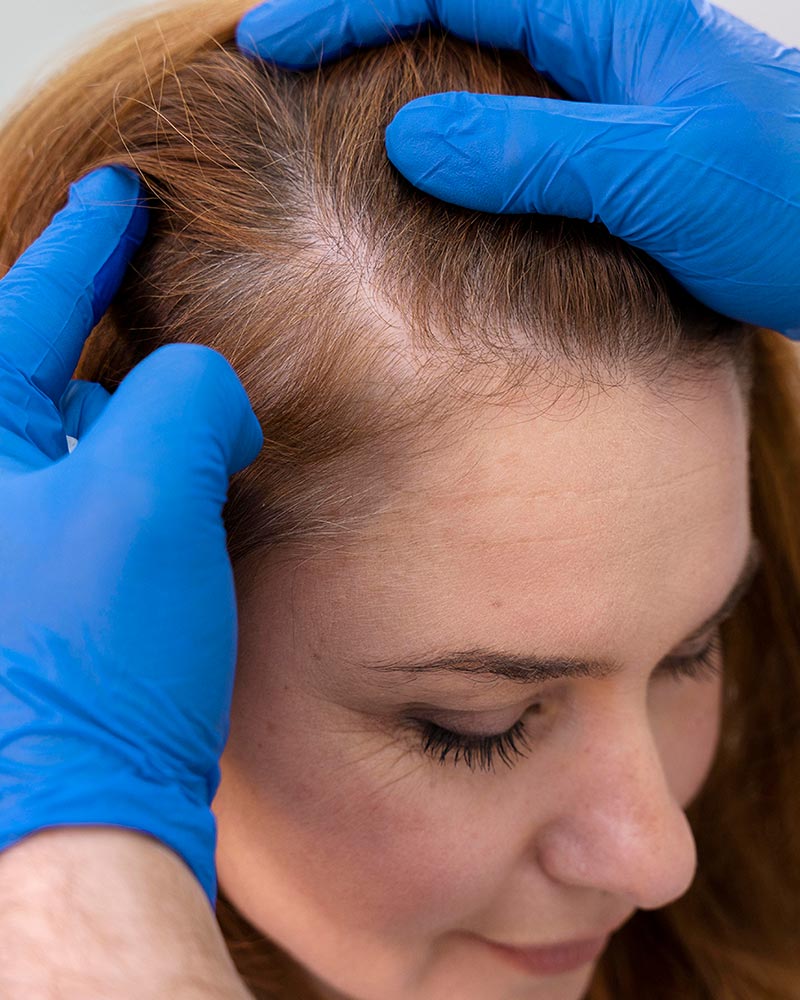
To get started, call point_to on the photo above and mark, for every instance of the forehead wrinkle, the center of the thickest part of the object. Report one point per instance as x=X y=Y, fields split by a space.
x=428 y=504
x=470 y=483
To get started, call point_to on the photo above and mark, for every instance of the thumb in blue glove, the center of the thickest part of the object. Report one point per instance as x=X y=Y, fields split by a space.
x=118 y=624
x=686 y=145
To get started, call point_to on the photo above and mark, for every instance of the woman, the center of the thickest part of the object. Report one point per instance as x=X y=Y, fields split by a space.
x=488 y=440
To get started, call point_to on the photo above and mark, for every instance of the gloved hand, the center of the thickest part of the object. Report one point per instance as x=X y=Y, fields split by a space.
x=118 y=625
x=686 y=142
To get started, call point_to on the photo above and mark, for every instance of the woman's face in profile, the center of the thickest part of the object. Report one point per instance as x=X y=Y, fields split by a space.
x=379 y=857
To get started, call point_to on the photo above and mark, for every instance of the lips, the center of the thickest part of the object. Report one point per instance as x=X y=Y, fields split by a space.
x=553 y=959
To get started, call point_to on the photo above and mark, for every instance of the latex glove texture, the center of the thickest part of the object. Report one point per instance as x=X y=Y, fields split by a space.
x=118 y=624
x=683 y=137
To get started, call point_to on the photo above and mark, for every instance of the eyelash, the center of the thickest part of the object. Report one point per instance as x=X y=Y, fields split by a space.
x=480 y=751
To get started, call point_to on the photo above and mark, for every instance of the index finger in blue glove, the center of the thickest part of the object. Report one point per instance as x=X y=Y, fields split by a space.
x=619 y=165
x=60 y=287
x=299 y=33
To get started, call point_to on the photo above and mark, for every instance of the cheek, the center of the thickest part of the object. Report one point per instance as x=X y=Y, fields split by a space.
x=686 y=721
x=325 y=818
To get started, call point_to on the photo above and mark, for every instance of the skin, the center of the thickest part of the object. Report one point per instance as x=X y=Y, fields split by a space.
x=610 y=532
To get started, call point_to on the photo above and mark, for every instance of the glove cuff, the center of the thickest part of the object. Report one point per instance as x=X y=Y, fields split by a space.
x=165 y=812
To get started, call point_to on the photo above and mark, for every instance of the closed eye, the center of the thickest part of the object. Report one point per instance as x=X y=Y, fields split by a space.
x=481 y=751
x=704 y=665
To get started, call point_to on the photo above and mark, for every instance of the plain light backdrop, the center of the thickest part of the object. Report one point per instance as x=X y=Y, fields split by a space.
x=36 y=36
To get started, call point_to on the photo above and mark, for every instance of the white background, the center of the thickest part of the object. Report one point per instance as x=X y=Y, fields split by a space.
x=37 y=35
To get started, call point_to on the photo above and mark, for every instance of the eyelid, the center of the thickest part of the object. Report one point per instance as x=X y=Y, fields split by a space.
x=701 y=665
x=699 y=647
x=700 y=642
x=695 y=647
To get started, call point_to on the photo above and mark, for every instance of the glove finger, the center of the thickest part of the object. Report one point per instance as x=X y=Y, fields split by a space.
x=525 y=154
x=299 y=35
x=82 y=404
x=595 y=51
x=621 y=166
x=59 y=288
x=181 y=424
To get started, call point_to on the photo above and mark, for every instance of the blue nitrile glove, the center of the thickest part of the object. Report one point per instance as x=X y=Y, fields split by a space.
x=688 y=146
x=118 y=623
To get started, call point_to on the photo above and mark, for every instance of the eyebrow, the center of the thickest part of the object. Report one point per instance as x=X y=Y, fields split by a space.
x=485 y=663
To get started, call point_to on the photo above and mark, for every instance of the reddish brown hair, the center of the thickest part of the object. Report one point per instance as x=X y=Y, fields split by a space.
x=356 y=310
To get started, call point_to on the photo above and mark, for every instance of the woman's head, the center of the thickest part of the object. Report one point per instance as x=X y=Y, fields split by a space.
x=488 y=439
x=610 y=534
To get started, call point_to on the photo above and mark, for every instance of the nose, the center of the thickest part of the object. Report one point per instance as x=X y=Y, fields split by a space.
x=619 y=828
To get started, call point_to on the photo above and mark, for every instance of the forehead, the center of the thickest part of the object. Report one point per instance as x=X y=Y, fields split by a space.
x=553 y=522
x=621 y=464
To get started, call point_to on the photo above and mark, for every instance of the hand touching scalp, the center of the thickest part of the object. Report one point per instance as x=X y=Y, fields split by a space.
x=683 y=137
x=118 y=622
